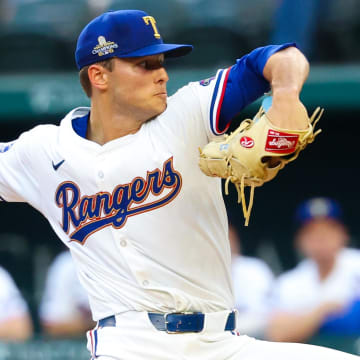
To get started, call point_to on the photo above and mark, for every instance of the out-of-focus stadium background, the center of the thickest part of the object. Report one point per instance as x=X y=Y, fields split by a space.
x=39 y=84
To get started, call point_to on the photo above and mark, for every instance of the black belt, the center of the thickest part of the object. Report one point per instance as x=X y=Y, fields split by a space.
x=177 y=322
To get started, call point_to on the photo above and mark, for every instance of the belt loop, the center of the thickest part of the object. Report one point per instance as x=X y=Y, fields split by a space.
x=218 y=321
x=108 y=321
x=231 y=321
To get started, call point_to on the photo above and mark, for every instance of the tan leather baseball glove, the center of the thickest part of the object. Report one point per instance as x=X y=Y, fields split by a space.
x=254 y=153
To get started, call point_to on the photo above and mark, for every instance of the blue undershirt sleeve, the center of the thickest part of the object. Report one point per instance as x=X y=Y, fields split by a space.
x=245 y=83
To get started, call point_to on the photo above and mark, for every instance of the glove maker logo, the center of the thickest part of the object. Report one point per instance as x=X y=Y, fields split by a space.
x=90 y=213
x=280 y=142
x=247 y=142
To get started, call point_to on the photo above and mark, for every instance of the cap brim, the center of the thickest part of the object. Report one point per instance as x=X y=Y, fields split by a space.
x=169 y=50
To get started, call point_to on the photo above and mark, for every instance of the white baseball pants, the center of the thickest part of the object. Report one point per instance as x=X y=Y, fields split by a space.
x=135 y=338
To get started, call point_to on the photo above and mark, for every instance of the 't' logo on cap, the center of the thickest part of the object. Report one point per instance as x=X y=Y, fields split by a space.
x=150 y=20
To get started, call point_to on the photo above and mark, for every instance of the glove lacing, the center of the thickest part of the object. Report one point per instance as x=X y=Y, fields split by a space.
x=310 y=136
x=240 y=188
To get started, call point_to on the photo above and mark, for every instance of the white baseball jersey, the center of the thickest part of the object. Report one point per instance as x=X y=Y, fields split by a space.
x=12 y=304
x=64 y=298
x=146 y=228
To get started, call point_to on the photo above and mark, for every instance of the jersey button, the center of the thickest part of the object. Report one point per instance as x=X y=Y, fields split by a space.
x=123 y=243
x=100 y=174
x=145 y=282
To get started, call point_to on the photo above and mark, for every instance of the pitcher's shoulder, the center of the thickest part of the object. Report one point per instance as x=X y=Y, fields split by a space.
x=41 y=134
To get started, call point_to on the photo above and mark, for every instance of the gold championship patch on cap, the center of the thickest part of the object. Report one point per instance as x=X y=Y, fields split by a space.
x=104 y=47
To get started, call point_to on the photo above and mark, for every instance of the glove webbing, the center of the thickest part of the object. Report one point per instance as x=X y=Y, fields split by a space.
x=240 y=188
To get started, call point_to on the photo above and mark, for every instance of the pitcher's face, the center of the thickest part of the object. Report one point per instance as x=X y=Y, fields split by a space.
x=138 y=85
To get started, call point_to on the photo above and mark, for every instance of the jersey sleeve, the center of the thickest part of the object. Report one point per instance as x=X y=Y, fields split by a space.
x=215 y=101
x=17 y=178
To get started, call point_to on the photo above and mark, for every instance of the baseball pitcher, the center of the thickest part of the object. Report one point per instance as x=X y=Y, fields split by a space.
x=121 y=185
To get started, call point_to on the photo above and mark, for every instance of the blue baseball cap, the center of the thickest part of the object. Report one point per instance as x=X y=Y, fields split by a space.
x=123 y=33
x=318 y=208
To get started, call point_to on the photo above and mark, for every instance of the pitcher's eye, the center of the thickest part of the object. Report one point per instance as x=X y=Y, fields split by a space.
x=143 y=64
x=151 y=64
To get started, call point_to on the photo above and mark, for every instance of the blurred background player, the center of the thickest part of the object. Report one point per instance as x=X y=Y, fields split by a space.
x=322 y=294
x=252 y=280
x=15 y=321
x=64 y=310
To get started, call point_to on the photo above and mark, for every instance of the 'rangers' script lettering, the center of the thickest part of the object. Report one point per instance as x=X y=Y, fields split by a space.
x=90 y=213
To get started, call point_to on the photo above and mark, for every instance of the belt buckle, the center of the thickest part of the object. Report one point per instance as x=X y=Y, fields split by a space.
x=167 y=322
